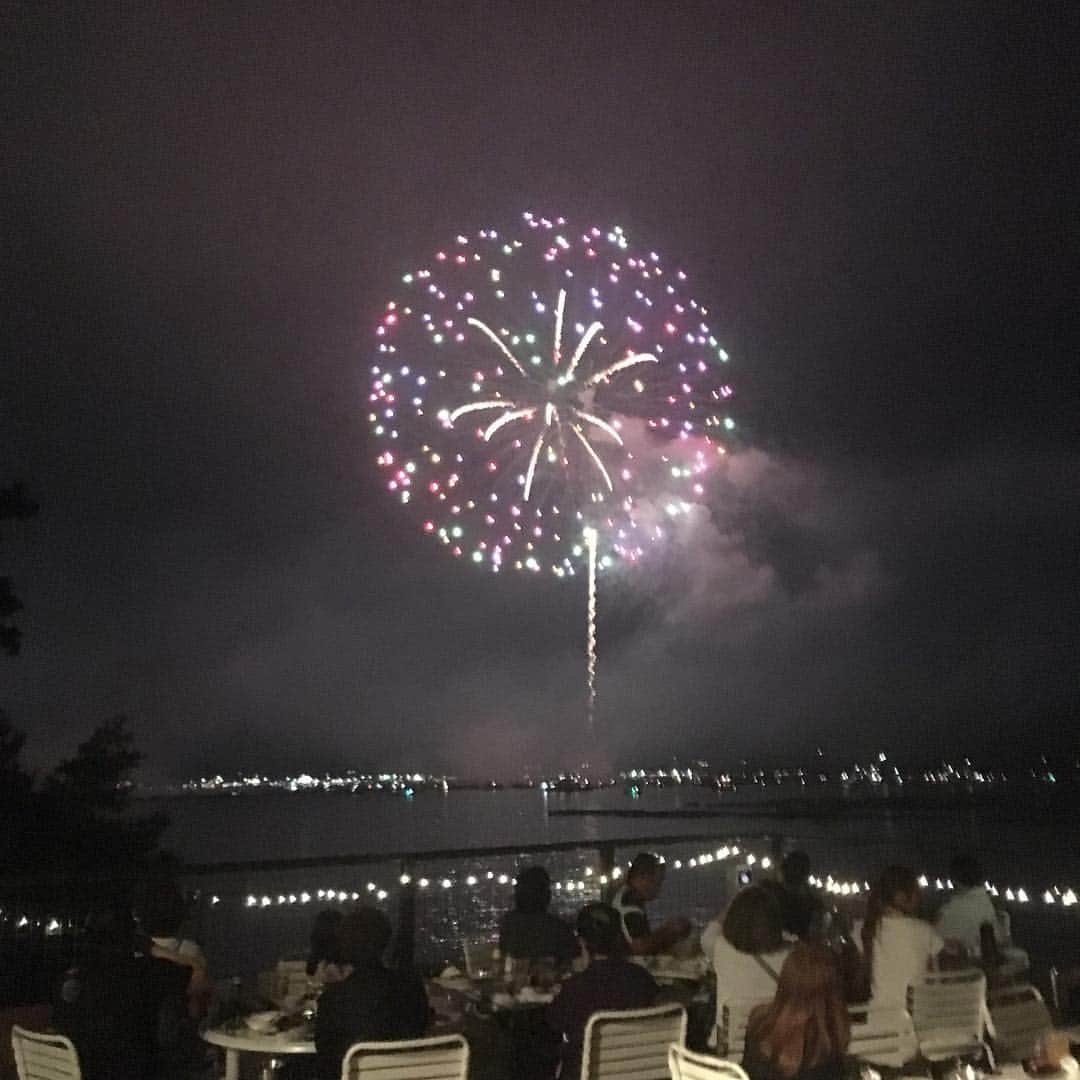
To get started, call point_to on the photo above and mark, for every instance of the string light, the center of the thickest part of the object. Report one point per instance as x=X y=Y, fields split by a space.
x=1053 y=896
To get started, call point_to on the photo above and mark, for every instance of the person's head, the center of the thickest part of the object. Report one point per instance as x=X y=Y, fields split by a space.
x=600 y=928
x=897 y=888
x=364 y=935
x=108 y=936
x=646 y=875
x=807 y=1022
x=966 y=872
x=532 y=893
x=795 y=869
x=163 y=909
x=325 y=939
x=754 y=922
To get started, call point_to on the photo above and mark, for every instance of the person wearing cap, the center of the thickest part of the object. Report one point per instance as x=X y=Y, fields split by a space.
x=644 y=881
x=374 y=1003
x=610 y=981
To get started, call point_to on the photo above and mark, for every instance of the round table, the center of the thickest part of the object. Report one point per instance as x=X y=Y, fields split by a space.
x=237 y=1040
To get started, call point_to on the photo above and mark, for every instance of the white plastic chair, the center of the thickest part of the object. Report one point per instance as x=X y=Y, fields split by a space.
x=948 y=1009
x=44 y=1057
x=732 y=1016
x=632 y=1043
x=684 y=1064
x=444 y=1057
x=1018 y=1019
x=882 y=1036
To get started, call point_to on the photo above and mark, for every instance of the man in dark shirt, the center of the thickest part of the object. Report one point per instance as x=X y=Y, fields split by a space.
x=375 y=1003
x=802 y=910
x=125 y=1010
x=609 y=982
x=530 y=931
x=644 y=880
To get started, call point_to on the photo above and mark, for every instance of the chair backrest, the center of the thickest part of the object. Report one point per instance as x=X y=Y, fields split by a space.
x=481 y=959
x=1018 y=1019
x=732 y=1015
x=632 y=1043
x=684 y=1064
x=44 y=1057
x=444 y=1057
x=948 y=1009
x=882 y=1036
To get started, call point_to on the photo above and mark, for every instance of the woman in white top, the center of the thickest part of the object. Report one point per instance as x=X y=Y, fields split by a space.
x=749 y=951
x=898 y=948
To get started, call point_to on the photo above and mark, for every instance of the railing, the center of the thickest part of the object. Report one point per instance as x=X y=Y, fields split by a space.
x=249 y=914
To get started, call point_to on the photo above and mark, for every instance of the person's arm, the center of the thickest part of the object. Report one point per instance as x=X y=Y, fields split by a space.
x=648 y=943
x=942 y=954
x=200 y=988
x=330 y=1043
x=417 y=1007
x=557 y=1014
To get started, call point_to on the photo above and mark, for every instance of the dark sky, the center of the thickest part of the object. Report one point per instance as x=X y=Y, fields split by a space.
x=205 y=208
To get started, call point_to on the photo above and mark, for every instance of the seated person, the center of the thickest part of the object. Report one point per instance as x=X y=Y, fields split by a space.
x=750 y=949
x=898 y=947
x=161 y=916
x=125 y=1010
x=803 y=1034
x=374 y=1002
x=644 y=881
x=324 y=962
x=610 y=981
x=963 y=915
x=802 y=910
x=530 y=931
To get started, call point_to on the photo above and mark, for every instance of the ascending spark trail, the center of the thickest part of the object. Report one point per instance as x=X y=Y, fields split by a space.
x=590 y=631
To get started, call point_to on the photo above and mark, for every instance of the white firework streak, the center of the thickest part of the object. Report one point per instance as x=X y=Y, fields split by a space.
x=594 y=455
x=516 y=414
x=559 y=308
x=602 y=424
x=551 y=413
x=627 y=361
x=476 y=406
x=532 y=462
x=582 y=345
x=484 y=328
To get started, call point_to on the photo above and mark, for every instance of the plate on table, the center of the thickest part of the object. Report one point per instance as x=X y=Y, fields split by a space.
x=263 y=1023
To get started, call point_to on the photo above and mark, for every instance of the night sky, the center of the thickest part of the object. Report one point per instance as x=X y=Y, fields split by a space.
x=206 y=208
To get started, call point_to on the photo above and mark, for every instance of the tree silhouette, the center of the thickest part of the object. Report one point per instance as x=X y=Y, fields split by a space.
x=15 y=504
x=87 y=797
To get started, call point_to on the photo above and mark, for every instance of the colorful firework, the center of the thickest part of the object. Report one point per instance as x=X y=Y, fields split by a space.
x=535 y=384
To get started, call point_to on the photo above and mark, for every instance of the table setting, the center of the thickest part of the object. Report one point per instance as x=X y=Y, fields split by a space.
x=270 y=1033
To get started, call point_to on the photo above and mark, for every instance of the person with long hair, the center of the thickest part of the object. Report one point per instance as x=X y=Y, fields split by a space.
x=898 y=947
x=804 y=1033
x=749 y=949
